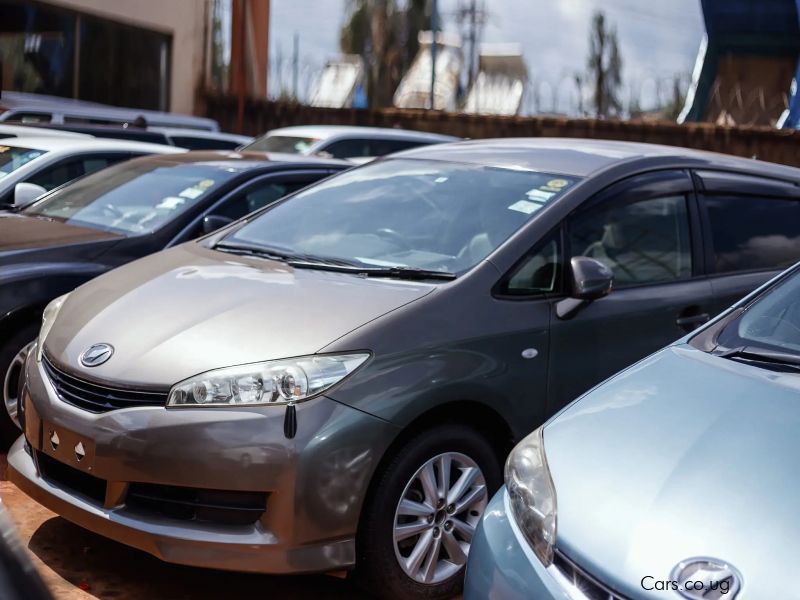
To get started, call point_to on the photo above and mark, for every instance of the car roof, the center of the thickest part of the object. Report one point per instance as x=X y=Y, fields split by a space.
x=57 y=105
x=245 y=161
x=197 y=133
x=324 y=132
x=27 y=131
x=582 y=157
x=75 y=145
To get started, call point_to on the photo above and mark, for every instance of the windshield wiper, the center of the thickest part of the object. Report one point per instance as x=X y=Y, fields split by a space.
x=281 y=254
x=762 y=355
x=393 y=272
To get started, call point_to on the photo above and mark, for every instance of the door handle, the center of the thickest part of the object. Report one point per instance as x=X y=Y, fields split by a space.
x=692 y=320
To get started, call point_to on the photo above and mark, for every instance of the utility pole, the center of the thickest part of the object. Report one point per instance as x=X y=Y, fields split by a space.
x=434 y=27
x=472 y=18
x=295 y=64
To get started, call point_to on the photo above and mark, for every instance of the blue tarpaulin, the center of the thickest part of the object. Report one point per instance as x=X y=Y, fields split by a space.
x=747 y=28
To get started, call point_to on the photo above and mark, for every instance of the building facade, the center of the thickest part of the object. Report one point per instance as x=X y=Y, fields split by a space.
x=150 y=54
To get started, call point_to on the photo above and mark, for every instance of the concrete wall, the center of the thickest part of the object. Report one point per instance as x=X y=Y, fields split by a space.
x=184 y=20
x=780 y=146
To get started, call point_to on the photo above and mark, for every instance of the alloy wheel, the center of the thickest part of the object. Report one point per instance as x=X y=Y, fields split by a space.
x=437 y=516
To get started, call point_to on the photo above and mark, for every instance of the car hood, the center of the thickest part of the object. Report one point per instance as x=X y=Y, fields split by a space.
x=20 y=232
x=190 y=309
x=682 y=455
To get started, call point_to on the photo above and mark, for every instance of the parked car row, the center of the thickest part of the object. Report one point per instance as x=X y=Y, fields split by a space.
x=332 y=379
x=32 y=166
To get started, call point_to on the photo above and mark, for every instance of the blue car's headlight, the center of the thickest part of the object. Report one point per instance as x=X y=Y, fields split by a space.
x=532 y=495
x=272 y=382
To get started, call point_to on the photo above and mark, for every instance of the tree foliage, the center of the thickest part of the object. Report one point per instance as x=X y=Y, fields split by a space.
x=384 y=34
x=604 y=68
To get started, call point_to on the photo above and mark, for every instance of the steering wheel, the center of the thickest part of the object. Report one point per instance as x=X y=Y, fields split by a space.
x=395 y=238
x=114 y=211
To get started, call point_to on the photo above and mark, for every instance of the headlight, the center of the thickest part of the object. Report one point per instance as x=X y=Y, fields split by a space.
x=272 y=382
x=532 y=495
x=48 y=318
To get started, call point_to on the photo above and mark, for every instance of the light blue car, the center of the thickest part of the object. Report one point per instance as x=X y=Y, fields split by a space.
x=677 y=478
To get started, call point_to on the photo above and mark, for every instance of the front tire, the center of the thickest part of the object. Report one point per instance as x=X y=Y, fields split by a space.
x=419 y=520
x=11 y=364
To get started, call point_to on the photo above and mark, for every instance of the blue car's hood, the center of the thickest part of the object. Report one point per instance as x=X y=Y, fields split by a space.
x=682 y=455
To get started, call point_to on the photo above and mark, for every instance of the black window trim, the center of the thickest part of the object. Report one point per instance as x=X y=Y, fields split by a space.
x=719 y=181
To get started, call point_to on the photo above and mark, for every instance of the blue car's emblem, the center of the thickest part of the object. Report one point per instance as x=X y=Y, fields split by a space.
x=703 y=578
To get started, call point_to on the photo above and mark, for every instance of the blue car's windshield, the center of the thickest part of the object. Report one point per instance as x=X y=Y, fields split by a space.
x=410 y=213
x=771 y=322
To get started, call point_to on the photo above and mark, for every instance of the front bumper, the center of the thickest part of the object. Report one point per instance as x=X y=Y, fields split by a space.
x=501 y=563
x=314 y=483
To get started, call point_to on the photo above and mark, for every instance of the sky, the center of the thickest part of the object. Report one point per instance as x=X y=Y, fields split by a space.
x=658 y=40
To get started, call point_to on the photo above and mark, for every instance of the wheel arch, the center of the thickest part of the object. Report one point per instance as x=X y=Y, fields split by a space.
x=482 y=418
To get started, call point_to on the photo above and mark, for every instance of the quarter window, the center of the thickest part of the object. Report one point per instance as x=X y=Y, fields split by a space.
x=642 y=242
x=750 y=234
x=539 y=273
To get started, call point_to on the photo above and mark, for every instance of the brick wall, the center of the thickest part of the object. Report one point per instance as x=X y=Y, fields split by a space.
x=781 y=146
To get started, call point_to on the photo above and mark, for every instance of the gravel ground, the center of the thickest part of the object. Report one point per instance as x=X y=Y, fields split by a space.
x=79 y=565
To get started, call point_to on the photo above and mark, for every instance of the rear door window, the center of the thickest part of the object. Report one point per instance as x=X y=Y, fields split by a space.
x=202 y=143
x=384 y=147
x=349 y=148
x=643 y=242
x=55 y=175
x=753 y=233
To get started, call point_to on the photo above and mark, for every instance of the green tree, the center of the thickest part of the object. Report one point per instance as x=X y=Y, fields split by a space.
x=385 y=36
x=604 y=68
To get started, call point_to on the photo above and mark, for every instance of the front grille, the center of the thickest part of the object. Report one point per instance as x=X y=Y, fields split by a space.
x=193 y=504
x=97 y=398
x=70 y=478
x=584 y=584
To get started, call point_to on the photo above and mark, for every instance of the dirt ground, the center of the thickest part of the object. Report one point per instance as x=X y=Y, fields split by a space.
x=79 y=565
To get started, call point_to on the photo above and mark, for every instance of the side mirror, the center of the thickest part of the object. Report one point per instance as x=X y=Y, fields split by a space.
x=25 y=193
x=213 y=222
x=589 y=279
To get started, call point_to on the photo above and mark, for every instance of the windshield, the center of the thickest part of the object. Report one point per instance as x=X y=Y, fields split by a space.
x=282 y=143
x=14 y=157
x=133 y=197
x=771 y=322
x=420 y=214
